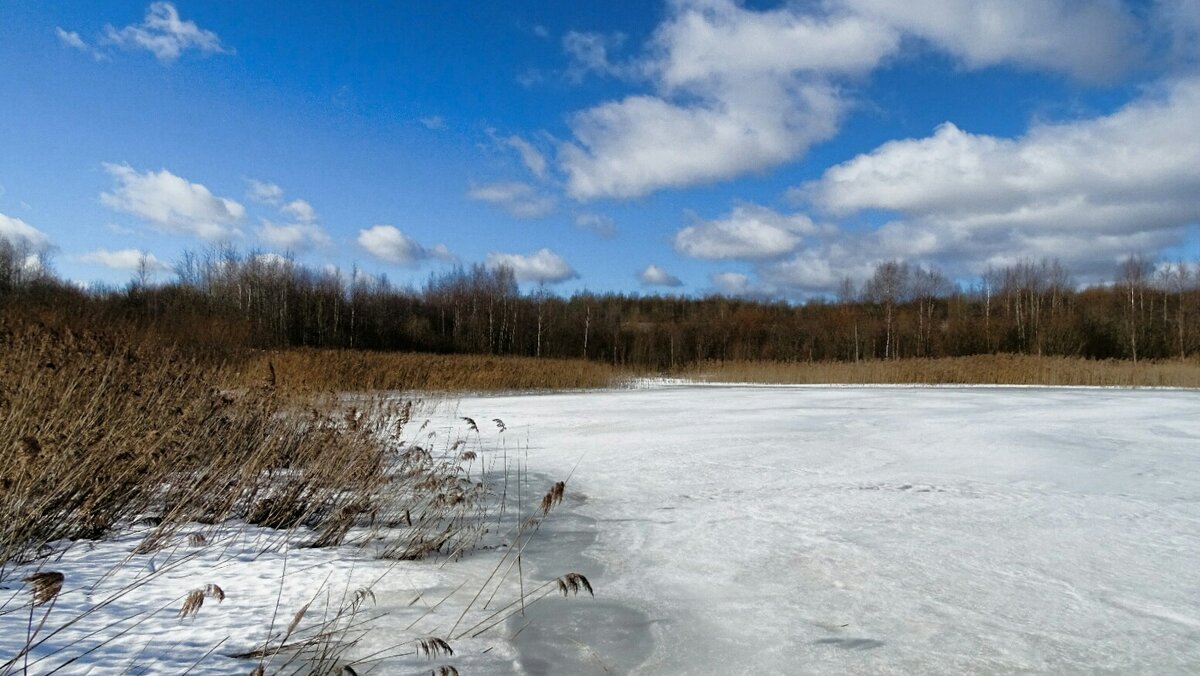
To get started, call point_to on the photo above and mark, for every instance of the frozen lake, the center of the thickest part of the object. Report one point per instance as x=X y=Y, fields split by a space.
x=883 y=530
x=743 y=529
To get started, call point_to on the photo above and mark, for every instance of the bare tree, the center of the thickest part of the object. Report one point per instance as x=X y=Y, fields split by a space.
x=1134 y=271
x=888 y=287
x=927 y=286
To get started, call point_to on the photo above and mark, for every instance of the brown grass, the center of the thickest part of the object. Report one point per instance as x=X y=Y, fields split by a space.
x=307 y=371
x=44 y=587
x=103 y=429
x=981 y=370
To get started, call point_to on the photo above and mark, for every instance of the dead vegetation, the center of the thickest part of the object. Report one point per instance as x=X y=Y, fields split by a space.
x=1000 y=369
x=108 y=432
x=308 y=371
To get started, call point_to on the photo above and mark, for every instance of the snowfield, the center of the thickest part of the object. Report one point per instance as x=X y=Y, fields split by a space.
x=752 y=529
x=885 y=529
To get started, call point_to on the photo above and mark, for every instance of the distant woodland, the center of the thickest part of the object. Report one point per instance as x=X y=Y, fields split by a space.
x=221 y=299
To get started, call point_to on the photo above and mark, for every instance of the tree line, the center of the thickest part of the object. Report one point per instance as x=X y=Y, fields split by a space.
x=225 y=298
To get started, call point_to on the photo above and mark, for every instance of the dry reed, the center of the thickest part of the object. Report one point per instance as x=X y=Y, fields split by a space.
x=1001 y=369
x=314 y=371
x=44 y=587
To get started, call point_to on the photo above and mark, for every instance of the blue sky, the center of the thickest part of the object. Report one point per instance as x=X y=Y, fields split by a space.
x=688 y=146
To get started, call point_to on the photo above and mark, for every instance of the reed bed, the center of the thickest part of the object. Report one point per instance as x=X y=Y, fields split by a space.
x=1001 y=369
x=107 y=431
x=309 y=370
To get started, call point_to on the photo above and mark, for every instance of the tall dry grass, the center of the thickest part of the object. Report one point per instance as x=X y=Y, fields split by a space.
x=977 y=370
x=311 y=370
x=102 y=429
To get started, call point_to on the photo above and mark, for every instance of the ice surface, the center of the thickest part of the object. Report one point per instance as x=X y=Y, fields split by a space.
x=885 y=530
x=739 y=529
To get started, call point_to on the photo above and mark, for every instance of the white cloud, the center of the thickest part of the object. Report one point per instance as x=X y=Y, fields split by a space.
x=294 y=236
x=1179 y=20
x=1087 y=192
x=389 y=244
x=71 y=39
x=589 y=53
x=274 y=260
x=166 y=35
x=640 y=144
x=356 y=275
x=1059 y=190
x=264 y=191
x=814 y=271
x=519 y=199
x=75 y=41
x=434 y=122
x=172 y=203
x=542 y=266
x=712 y=40
x=531 y=157
x=749 y=232
x=598 y=223
x=125 y=259
x=22 y=234
x=653 y=275
x=300 y=210
x=731 y=283
x=738 y=90
x=442 y=253
x=1081 y=38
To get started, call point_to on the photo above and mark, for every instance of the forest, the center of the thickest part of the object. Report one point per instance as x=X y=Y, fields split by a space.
x=221 y=298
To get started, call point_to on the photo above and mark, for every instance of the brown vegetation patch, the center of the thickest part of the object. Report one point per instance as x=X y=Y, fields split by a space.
x=1001 y=369
x=311 y=370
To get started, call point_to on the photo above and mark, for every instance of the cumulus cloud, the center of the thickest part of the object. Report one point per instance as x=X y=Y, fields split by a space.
x=519 y=199
x=542 y=266
x=164 y=34
x=300 y=210
x=21 y=234
x=600 y=224
x=738 y=90
x=643 y=143
x=263 y=191
x=1179 y=20
x=817 y=270
x=731 y=283
x=389 y=244
x=125 y=259
x=652 y=275
x=1036 y=34
x=711 y=40
x=294 y=236
x=1086 y=190
x=749 y=232
x=171 y=203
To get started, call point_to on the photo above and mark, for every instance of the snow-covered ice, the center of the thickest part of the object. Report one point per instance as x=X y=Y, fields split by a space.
x=884 y=529
x=750 y=529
